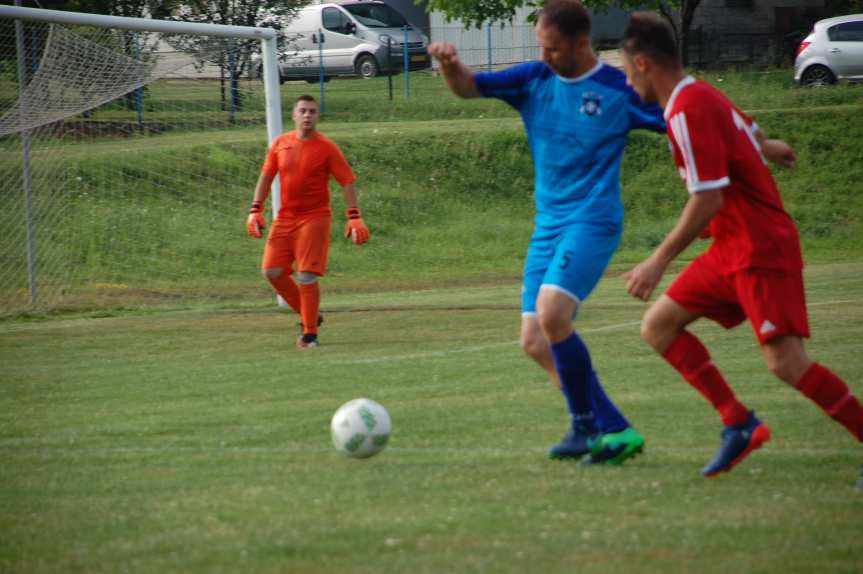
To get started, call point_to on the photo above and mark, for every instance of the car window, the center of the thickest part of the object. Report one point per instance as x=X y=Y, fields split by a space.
x=846 y=32
x=335 y=21
x=376 y=15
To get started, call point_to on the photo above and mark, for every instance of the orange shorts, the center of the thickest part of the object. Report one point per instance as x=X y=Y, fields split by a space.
x=304 y=241
x=773 y=301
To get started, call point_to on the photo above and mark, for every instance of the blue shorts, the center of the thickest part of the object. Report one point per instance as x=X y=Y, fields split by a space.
x=571 y=259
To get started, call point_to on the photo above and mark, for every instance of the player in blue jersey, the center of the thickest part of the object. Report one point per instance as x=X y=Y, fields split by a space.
x=577 y=113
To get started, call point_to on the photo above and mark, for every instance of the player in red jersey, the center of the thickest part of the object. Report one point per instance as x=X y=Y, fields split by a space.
x=304 y=159
x=753 y=268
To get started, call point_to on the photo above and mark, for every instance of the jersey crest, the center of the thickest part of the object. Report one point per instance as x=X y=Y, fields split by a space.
x=591 y=104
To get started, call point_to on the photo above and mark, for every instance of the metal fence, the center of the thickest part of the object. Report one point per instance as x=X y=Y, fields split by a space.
x=490 y=46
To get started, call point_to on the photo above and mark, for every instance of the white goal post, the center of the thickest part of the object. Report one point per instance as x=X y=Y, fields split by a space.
x=267 y=36
x=45 y=100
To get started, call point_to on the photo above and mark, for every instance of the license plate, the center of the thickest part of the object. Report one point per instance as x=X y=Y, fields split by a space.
x=420 y=58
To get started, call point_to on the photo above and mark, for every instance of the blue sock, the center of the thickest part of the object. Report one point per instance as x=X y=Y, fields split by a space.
x=580 y=386
x=608 y=416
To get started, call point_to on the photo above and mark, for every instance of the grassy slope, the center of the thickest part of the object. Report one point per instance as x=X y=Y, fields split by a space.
x=448 y=199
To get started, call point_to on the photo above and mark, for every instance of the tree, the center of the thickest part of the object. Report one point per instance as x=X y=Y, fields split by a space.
x=129 y=8
x=841 y=7
x=474 y=13
x=235 y=13
x=227 y=12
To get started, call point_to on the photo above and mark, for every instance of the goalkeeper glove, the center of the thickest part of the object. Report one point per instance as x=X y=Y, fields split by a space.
x=355 y=229
x=255 y=222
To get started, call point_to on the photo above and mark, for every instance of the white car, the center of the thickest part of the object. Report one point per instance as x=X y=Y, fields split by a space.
x=832 y=51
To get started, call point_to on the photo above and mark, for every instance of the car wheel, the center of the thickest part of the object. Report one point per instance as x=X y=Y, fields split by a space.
x=817 y=75
x=367 y=67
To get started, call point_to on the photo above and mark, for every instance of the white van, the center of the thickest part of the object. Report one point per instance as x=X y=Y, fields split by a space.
x=355 y=35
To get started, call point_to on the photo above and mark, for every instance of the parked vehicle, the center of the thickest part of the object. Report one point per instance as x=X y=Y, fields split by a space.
x=832 y=51
x=356 y=37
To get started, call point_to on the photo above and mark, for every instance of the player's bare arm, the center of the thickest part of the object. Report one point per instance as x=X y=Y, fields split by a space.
x=697 y=213
x=262 y=188
x=255 y=222
x=349 y=193
x=355 y=229
x=777 y=151
x=458 y=77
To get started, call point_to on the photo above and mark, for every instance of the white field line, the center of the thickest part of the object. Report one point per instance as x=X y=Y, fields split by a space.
x=468 y=451
x=479 y=348
x=72 y=452
x=839 y=302
x=472 y=349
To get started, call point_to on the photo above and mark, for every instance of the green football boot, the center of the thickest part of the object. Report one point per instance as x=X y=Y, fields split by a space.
x=616 y=447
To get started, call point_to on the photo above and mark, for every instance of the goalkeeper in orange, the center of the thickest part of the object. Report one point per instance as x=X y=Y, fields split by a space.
x=300 y=235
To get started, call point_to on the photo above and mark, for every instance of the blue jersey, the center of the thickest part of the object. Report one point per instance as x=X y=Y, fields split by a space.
x=576 y=129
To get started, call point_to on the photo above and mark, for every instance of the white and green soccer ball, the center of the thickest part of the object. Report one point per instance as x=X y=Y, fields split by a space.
x=360 y=428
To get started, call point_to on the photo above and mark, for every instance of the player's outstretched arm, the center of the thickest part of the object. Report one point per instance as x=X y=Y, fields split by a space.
x=458 y=77
x=355 y=229
x=697 y=213
x=777 y=151
x=255 y=222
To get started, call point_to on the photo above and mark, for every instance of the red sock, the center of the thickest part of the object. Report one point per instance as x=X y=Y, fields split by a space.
x=831 y=393
x=310 y=303
x=691 y=359
x=285 y=286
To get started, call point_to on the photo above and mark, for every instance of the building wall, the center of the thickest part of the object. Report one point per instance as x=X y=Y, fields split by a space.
x=754 y=16
x=509 y=42
x=515 y=41
x=750 y=32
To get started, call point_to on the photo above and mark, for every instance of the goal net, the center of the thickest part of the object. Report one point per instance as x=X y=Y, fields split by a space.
x=127 y=163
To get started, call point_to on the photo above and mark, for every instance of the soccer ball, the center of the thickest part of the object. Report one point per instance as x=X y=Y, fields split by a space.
x=360 y=428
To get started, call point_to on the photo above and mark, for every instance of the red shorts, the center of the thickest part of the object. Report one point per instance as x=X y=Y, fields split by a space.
x=773 y=300
x=305 y=241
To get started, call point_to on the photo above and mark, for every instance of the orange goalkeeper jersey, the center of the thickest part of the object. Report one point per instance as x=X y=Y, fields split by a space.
x=304 y=168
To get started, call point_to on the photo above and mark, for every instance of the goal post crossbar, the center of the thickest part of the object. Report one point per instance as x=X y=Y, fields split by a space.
x=141 y=24
x=267 y=36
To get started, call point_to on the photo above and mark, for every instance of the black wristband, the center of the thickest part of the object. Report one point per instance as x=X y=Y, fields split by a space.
x=353 y=213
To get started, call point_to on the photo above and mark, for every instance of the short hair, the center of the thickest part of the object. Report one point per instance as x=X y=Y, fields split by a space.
x=650 y=34
x=570 y=17
x=305 y=98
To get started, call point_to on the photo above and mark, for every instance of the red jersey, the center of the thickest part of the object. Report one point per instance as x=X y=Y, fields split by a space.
x=714 y=147
x=304 y=168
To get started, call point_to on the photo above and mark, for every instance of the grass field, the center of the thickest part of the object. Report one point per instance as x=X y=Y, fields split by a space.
x=155 y=417
x=197 y=441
